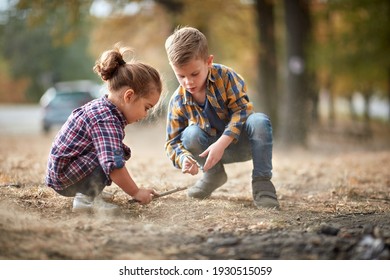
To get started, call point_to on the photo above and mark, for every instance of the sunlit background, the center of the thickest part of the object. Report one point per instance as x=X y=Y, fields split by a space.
x=308 y=64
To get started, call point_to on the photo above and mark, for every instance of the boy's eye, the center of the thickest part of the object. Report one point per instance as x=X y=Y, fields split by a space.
x=194 y=74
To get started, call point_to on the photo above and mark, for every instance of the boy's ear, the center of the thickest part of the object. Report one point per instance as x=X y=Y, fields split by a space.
x=129 y=95
x=210 y=60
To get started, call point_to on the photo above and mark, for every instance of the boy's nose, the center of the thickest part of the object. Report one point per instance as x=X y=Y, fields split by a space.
x=188 y=81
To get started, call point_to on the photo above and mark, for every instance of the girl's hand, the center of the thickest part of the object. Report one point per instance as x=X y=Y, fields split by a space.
x=190 y=166
x=144 y=196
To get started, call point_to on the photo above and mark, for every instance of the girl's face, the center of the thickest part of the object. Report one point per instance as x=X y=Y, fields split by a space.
x=136 y=108
x=192 y=75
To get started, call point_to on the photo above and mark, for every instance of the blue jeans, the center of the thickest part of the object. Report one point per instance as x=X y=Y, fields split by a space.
x=255 y=142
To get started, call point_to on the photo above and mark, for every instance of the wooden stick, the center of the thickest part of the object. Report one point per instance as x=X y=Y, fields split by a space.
x=178 y=189
x=16 y=185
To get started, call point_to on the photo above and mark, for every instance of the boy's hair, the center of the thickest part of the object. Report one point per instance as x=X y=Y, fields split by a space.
x=118 y=73
x=185 y=44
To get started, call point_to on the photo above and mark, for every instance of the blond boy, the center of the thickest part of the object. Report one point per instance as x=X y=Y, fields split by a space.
x=211 y=121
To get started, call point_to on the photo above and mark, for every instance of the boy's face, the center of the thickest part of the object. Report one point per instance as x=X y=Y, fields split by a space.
x=192 y=75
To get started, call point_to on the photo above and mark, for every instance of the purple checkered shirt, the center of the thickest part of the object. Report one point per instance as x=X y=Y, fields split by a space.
x=93 y=135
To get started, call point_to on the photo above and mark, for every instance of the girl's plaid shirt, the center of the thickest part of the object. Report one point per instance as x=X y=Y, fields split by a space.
x=93 y=135
x=226 y=92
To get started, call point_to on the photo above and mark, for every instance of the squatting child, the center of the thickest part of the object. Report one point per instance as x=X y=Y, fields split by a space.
x=211 y=121
x=88 y=152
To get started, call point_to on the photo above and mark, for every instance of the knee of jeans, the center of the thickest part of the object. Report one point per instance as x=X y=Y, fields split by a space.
x=259 y=125
x=194 y=138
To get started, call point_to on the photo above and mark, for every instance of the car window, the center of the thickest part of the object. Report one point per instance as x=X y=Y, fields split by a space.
x=71 y=97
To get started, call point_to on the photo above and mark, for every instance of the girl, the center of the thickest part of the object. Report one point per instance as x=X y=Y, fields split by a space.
x=88 y=153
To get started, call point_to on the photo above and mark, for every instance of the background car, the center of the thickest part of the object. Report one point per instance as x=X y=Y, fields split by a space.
x=59 y=101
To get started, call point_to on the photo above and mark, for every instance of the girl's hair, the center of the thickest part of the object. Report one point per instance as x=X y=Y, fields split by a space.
x=118 y=73
x=185 y=44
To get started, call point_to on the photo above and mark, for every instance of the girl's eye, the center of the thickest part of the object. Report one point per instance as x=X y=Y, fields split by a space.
x=195 y=74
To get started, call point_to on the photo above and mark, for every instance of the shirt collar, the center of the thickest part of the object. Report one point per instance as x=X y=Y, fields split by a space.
x=115 y=111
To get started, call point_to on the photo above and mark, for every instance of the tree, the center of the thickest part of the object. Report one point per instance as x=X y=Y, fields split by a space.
x=294 y=123
x=268 y=91
x=352 y=56
x=364 y=56
x=32 y=53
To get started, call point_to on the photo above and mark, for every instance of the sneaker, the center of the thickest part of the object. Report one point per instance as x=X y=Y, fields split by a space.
x=82 y=203
x=100 y=205
x=209 y=183
x=264 y=194
x=107 y=195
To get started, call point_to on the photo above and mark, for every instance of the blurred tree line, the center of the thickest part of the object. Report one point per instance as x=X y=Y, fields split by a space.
x=287 y=50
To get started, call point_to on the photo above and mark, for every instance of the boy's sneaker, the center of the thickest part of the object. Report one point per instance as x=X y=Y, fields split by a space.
x=264 y=194
x=84 y=203
x=209 y=183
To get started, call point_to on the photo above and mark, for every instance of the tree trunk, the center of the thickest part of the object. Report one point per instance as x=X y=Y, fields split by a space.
x=268 y=92
x=313 y=92
x=367 y=94
x=294 y=125
x=352 y=110
x=388 y=92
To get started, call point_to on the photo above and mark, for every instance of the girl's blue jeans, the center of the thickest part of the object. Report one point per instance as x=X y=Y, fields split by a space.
x=255 y=142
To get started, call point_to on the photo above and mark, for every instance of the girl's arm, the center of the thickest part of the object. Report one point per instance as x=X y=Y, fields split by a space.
x=122 y=178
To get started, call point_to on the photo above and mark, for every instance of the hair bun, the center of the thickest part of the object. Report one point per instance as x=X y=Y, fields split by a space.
x=108 y=64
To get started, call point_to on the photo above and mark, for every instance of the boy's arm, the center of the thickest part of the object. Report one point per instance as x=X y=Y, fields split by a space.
x=239 y=105
x=176 y=124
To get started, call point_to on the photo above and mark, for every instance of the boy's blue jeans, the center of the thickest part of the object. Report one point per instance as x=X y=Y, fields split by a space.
x=255 y=142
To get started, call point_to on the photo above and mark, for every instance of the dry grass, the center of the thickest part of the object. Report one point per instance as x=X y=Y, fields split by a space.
x=314 y=184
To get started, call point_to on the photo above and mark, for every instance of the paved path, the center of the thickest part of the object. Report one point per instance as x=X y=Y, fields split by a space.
x=20 y=119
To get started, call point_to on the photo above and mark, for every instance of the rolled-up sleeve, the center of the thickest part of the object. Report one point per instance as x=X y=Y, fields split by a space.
x=112 y=153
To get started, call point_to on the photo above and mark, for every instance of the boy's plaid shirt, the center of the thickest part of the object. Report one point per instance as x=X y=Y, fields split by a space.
x=226 y=92
x=91 y=136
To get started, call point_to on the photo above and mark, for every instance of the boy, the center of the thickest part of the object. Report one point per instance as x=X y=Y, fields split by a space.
x=211 y=121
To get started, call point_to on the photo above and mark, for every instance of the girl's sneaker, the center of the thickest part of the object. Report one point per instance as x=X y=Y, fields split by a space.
x=85 y=203
x=82 y=203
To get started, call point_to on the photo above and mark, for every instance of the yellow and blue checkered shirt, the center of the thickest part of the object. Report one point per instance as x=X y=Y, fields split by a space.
x=226 y=93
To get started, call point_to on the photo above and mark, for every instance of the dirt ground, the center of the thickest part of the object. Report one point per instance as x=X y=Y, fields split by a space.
x=334 y=196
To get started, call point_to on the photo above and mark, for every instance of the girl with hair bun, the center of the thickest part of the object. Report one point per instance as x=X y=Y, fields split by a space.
x=88 y=152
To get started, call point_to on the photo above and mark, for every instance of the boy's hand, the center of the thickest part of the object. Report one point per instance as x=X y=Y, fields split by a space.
x=190 y=166
x=144 y=196
x=214 y=152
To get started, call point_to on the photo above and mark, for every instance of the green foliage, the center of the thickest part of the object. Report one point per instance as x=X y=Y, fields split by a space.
x=64 y=19
x=33 y=53
x=355 y=51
